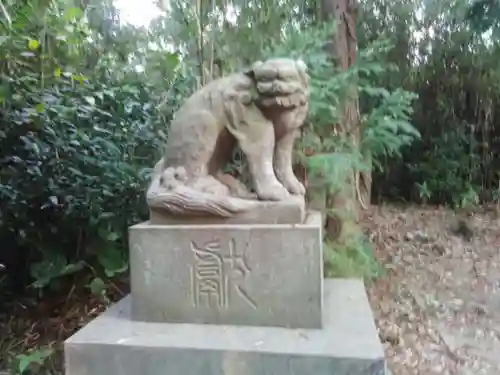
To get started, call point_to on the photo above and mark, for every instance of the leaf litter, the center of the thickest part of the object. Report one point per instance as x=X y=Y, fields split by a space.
x=437 y=308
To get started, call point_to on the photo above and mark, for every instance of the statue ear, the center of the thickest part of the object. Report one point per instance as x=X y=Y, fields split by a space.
x=257 y=65
x=302 y=70
x=250 y=71
x=301 y=65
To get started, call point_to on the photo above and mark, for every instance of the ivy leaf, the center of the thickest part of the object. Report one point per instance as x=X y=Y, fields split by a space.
x=37 y=356
x=113 y=261
x=172 y=60
x=52 y=267
x=97 y=286
x=79 y=77
x=90 y=100
x=33 y=44
x=73 y=13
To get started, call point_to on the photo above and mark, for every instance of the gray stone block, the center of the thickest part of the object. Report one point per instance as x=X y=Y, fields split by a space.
x=262 y=275
x=288 y=211
x=348 y=344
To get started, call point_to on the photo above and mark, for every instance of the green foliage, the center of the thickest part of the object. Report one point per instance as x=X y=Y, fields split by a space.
x=484 y=14
x=388 y=127
x=75 y=156
x=386 y=121
x=354 y=259
x=51 y=267
x=77 y=142
x=98 y=288
x=32 y=360
x=453 y=68
x=448 y=170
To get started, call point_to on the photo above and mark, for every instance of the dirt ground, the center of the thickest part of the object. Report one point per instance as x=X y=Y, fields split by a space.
x=438 y=307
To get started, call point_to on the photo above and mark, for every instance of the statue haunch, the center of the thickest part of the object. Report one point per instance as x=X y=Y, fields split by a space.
x=261 y=110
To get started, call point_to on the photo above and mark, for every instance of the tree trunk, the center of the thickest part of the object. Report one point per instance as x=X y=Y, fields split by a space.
x=343 y=206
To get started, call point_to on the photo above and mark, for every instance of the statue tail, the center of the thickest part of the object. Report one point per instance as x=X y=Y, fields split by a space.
x=181 y=200
x=189 y=202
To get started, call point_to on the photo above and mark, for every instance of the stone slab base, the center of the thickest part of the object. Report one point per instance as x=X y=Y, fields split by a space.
x=348 y=344
x=288 y=211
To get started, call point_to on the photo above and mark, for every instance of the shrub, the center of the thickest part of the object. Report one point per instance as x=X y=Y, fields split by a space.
x=74 y=161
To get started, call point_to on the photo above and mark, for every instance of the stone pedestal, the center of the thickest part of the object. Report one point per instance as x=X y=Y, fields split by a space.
x=263 y=275
x=231 y=299
x=348 y=344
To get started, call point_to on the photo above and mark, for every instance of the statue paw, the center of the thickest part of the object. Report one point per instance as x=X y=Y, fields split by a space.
x=273 y=193
x=296 y=187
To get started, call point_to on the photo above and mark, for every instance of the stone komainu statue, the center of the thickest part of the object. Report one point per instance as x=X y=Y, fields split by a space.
x=261 y=110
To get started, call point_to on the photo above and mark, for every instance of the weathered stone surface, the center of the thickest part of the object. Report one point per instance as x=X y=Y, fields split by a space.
x=348 y=344
x=259 y=109
x=264 y=275
x=289 y=211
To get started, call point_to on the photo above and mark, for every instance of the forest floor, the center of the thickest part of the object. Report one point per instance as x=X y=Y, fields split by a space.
x=437 y=307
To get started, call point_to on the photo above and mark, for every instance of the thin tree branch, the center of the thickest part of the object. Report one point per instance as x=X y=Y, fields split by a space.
x=6 y=14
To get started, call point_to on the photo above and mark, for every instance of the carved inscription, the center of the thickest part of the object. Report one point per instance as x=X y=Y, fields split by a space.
x=214 y=274
x=209 y=285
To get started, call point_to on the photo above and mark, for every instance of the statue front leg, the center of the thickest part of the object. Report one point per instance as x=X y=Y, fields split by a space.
x=255 y=135
x=283 y=163
x=259 y=153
